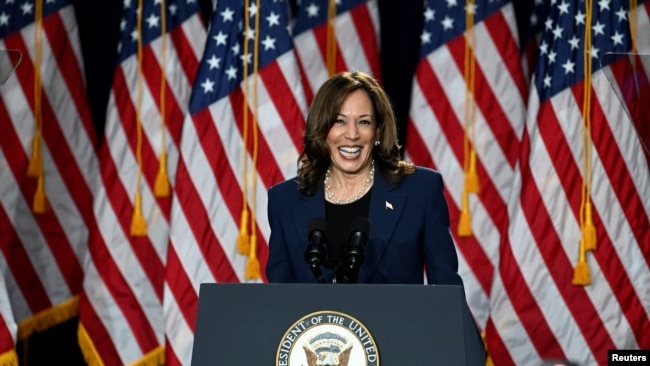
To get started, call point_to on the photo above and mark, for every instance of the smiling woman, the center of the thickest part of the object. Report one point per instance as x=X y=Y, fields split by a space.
x=351 y=173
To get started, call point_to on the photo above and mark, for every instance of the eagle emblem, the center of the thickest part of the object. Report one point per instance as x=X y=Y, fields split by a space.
x=328 y=349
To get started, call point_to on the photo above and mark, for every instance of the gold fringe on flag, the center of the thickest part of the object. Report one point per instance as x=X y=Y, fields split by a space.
x=471 y=184
x=161 y=186
x=9 y=358
x=488 y=359
x=330 y=45
x=155 y=357
x=91 y=356
x=48 y=318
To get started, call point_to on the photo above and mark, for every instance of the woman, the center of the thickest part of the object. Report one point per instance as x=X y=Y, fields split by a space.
x=350 y=170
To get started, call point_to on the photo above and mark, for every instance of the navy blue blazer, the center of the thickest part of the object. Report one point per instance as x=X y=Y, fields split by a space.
x=409 y=233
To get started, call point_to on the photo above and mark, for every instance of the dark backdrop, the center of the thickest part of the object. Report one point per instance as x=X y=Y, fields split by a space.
x=401 y=24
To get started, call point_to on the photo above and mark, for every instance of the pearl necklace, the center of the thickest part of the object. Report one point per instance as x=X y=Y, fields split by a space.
x=330 y=195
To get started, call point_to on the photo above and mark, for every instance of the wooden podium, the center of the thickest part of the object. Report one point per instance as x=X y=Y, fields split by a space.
x=257 y=324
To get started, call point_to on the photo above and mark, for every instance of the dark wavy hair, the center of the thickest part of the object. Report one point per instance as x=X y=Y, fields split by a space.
x=315 y=156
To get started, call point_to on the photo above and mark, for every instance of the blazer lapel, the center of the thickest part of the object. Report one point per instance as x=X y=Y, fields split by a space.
x=308 y=208
x=386 y=206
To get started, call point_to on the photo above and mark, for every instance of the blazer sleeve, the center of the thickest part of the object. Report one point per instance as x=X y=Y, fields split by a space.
x=278 y=267
x=440 y=255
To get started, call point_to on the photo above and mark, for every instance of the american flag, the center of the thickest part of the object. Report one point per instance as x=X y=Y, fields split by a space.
x=121 y=315
x=556 y=295
x=243 y=135
x=45 y=211
x=442 y=135
x=8 y=327
x=356 y=39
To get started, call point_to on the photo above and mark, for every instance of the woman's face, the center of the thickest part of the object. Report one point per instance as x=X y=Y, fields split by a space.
x=352 y=137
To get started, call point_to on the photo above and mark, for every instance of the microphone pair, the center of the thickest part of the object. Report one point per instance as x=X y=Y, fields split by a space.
x=348 y=269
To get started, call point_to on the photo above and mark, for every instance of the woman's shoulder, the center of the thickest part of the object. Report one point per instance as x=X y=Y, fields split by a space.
x=285 y=189
x=423 y=175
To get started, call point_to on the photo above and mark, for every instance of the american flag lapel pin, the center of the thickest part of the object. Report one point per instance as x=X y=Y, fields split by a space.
x=389 y=206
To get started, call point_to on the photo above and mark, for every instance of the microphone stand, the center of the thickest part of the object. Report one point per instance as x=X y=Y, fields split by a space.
x=315 y=252
x=348 y=270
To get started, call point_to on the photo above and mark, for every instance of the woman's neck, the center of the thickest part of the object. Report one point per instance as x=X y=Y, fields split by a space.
x=343 y=188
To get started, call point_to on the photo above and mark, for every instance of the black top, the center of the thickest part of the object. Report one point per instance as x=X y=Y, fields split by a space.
x=339 y=218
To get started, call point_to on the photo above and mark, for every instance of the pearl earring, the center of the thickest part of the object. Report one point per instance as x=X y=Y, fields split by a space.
x=377 y=142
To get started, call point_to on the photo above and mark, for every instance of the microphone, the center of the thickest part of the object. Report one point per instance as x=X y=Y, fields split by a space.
x=355 y=250
x=315 y=252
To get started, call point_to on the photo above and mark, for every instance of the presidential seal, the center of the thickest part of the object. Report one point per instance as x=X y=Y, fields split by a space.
x=327 y=338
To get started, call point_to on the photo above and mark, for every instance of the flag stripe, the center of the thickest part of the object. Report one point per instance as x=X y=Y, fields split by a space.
x=359 y=27
x=8 y=328
x=610 y=152
x=91 y=321
x=18 y=262
x=574 y=298
x=287 y=109
x=67 y=58
x=559 y=148
x=213 y=184
x=503 y=36
x=127 y=115
x=47 y=222
x=126 y=295
x=499 y=89
x=194 y=207
x=530 y=316
x=309 y=48
x=187 y=300
x=125 y=299
x=141 y=247
x=487 y=103
x=44 y=251
x=546 y=216
x=578 y=302
x=427 y=80
x=635 y=89
x=357 y=41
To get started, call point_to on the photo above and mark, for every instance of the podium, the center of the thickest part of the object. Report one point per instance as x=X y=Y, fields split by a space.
x=278 y=324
